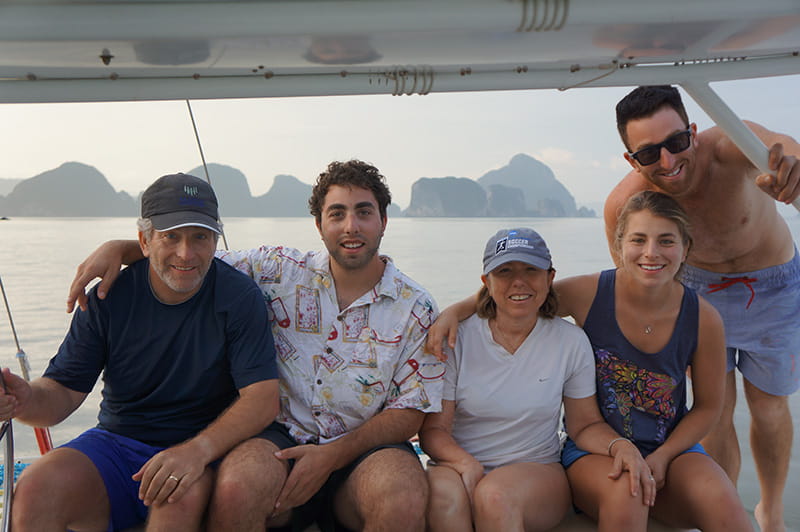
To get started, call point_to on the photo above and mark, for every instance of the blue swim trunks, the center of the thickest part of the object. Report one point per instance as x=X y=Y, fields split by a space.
x=117 y=458
x=571 y=452
x=761 y=313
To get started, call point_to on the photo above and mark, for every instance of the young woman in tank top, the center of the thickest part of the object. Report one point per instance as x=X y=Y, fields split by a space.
x=647 y=331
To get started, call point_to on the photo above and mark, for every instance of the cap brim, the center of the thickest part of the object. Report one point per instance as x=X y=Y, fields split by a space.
x=527 y=258
x=176 y=220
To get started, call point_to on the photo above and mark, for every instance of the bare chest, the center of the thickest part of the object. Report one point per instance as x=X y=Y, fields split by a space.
x=736 y=228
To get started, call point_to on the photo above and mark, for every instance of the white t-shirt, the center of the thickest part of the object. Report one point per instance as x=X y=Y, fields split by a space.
x=508 y=407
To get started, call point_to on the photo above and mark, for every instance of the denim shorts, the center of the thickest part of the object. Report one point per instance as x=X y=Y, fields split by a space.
x=117 y=458
x=571 y=452
x=761 y=313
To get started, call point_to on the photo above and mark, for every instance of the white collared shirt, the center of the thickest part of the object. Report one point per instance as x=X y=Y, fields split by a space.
x=340 y=368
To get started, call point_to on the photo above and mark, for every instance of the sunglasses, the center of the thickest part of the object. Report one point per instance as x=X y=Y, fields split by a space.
x=674 y=144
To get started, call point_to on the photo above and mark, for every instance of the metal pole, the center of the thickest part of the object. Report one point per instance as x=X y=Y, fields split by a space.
x=724 y=117
x=43 y=439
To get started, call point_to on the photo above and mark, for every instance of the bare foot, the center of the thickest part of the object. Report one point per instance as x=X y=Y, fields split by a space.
x=769 y=523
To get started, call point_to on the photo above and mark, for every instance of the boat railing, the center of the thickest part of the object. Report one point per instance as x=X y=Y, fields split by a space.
x=7 y=436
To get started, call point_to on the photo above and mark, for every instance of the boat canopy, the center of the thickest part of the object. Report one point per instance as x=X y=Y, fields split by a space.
x=111 y=50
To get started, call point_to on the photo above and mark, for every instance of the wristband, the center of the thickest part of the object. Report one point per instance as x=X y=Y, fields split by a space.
x=615 y=440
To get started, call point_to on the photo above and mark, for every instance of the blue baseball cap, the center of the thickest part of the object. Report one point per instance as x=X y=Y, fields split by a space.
x=521 y=244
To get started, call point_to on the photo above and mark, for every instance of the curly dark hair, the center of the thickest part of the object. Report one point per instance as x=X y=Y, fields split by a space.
x=645 y=101
x=353 y=173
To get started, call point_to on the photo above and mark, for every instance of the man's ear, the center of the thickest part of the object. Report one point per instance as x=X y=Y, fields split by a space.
x=144 y=245
x=631 y=161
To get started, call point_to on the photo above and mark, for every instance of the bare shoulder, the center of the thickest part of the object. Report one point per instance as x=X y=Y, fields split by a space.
x=575 y=295
x=719 y=145
x=716 y=147
x=632 y=183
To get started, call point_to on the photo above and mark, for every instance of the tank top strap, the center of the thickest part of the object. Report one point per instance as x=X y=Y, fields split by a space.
x=687 y=326
x=603 y=304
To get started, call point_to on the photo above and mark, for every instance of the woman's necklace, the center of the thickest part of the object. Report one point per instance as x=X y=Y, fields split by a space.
x=648 y=329
x=510 y=344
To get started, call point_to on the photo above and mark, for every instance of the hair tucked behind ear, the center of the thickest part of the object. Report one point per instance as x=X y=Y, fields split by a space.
x=487 y=308
x=658 y=204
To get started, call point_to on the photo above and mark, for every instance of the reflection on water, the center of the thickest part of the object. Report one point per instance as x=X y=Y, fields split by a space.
x=38 y=257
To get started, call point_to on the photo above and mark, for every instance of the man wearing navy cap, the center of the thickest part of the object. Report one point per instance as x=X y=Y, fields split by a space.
x=189 y=371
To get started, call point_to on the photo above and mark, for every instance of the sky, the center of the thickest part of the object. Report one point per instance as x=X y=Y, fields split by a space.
x=406 y=137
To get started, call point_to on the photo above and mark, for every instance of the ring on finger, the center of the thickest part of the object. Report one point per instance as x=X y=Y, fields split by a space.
x=176 y=479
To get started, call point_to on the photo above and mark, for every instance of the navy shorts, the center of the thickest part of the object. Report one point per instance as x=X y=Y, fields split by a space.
x=319 y=509
x=570 y=453
x=117 y=458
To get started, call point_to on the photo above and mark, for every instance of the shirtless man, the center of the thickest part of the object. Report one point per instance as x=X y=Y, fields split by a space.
x=743 y=261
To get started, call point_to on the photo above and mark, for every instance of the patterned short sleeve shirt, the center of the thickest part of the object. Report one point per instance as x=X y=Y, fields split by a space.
x=339 y=368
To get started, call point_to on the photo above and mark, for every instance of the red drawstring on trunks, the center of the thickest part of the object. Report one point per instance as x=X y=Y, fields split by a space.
x=730 y=281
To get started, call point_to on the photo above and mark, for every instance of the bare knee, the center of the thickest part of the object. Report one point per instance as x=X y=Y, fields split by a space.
x=448 y=498
x=767 y=409
x=247 y=483
x=713 y=505
x=492 y=503
x=727 y=513
x=187 y=512
x=619 y=510
x=195 y=500
x=27 y=494
x=387 y=489
x=61 y=489
x=407 y=504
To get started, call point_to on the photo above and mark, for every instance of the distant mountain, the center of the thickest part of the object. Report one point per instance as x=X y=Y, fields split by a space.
x=231 y=187
x=288 y=196
x=447 y=196
x=524 y=187
x=542 y=193
x=7 y=185
x=72 y=189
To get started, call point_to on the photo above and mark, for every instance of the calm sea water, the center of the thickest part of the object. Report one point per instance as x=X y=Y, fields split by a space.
x=38 y=257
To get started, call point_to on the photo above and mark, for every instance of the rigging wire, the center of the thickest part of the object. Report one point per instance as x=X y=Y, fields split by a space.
x=203 y=158
x=43 y=439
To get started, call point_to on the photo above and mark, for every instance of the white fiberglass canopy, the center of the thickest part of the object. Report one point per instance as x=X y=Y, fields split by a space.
x=105 y=50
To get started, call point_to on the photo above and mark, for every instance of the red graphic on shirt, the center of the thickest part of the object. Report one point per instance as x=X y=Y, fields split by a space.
x=279 y=310
x=307 y=310
x=355 y=320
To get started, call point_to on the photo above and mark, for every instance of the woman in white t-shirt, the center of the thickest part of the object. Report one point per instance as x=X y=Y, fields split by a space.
x=494 y=447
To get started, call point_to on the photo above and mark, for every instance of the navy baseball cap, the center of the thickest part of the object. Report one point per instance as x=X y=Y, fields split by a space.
x=521 y=244
x=181 y=200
